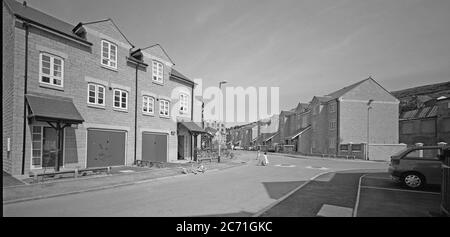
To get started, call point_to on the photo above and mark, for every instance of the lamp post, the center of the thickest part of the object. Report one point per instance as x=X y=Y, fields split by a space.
x=368 y=124
x=220 y=118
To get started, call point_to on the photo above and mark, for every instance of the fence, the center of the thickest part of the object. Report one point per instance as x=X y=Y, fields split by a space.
x=445 y=188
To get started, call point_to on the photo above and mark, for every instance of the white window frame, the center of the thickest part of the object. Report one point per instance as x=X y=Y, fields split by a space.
x=332 y=107
x=51 y=76
x=147 y=99
x=34 y=148
x=184 y=104
x=332 y=125
x=109 y=57
x=96 y=94
x=41 y=142
x=121 y=97
x=157 y=75
x=162 y=108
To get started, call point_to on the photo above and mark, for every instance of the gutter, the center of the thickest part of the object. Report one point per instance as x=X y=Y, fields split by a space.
x=24 y=132
x=41 y=26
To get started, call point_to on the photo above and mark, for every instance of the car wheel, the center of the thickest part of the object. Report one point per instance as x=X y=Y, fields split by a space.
x=413 y=180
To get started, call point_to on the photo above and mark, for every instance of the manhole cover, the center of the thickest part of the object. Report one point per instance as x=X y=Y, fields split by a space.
x=317 y=167
x=285 y=165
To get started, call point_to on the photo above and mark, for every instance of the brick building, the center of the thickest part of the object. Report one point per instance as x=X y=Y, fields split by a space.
x=87 y=95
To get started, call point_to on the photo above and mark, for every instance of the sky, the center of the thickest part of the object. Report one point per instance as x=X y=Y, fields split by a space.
x=304 y=47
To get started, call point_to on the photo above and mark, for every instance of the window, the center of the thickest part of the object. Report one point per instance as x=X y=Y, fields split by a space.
x=36 y=147
x=164 y=108
x=344 y=147
x=332 y=124
x=120 y=99
x=109 y=54
x=96 y=94
x=184 y=104
x=332 y=107
x=148 y=104
x=51 y=70
x=157 y=71
x=356 y=147
x=429 y=154
x=332 y=142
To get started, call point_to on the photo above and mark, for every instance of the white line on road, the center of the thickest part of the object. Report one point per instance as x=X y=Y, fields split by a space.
x=355 y=210
x=400 y=190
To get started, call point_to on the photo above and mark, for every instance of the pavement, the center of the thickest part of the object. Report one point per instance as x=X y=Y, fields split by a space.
x=240 y=191
x=15 y=190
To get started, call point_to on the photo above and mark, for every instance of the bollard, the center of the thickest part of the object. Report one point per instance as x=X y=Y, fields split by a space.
x=76 y=173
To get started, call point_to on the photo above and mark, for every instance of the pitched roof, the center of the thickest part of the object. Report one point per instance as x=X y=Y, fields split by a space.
x=341 y=92
x=178 y=75
x=193 y=127
x=53 y=108
x=425 y=112
x=42 y=19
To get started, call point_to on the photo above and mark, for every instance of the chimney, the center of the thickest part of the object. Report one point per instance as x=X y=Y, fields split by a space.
x=24 y=3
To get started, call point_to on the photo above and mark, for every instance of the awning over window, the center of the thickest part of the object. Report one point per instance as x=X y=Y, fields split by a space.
x=193 y=127
x=53 y=109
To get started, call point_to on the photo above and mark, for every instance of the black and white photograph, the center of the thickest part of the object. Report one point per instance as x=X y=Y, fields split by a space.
x=232 y=111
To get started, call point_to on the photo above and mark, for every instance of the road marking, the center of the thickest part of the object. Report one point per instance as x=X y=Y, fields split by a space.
x=369 y=177
x=317 y=168
x=285 y=165
x=400 y=190
x=334 y=211
x=355 y=210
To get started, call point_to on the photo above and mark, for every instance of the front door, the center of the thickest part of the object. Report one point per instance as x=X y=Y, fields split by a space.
x=180 y=147
x=49 y=148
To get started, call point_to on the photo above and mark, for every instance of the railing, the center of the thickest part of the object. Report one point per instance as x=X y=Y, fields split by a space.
x=75 y=172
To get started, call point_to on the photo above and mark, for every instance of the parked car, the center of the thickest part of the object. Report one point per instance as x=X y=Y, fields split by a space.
x=417 y=166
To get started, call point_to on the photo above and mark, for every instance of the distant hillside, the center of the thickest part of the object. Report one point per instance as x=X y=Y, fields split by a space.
x=415 y=97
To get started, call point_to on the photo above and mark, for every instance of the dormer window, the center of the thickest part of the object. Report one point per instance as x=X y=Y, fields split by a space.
x=157 y=71
x=109 y=54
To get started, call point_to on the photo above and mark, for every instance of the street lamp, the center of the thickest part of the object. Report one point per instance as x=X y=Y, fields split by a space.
x=220 y=117
x=369 y=107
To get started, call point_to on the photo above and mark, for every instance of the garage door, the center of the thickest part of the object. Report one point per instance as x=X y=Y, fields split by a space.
x=154 y=147
x=105 y=148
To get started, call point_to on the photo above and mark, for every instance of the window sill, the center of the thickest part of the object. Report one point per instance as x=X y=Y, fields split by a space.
x=148 y=114
x=96 y=106
x=44 y=85
x=164 y=116
x=109 y=68
x=158 y=83
x=120 y=110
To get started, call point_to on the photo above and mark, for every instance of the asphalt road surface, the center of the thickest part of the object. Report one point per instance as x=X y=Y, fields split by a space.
x=239 y=191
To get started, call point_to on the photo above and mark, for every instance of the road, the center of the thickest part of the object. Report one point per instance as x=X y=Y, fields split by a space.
x=239 y=191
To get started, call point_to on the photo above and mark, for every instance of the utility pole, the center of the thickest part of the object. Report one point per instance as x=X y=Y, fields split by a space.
x=220 y=118
x=368 y=127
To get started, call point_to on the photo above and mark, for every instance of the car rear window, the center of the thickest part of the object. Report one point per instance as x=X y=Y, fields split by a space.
x=429 y=154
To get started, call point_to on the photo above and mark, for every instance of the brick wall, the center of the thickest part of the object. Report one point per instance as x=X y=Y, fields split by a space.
x=8 y=85
x=82 y=66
